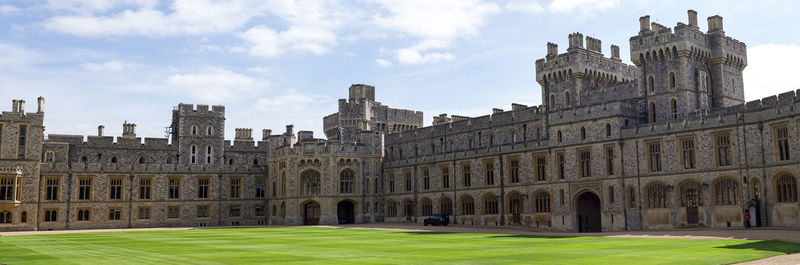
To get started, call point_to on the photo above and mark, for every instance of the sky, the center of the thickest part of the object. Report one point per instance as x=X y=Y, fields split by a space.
x=273 y=63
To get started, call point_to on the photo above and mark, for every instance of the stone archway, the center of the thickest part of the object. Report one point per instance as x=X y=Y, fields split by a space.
x=515 y=208
x=346 y=212
x=588 y=209
x=311 y=213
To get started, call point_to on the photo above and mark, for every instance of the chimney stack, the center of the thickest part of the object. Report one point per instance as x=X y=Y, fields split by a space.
x=715 y=23
x=21 y=106
x=101 y=130
x=575 y=41
x=40 y=102
x=290 y=129
x=614 y=52
x=14 y=105
x=128 y=130
x=552 y=50
x=644 y=23
x=265 y=133
x=692 y=18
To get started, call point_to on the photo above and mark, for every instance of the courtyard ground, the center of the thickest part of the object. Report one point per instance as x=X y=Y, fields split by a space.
x=396 y=244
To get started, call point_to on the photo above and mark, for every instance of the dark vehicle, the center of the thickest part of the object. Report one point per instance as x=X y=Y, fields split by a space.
x=437 y=219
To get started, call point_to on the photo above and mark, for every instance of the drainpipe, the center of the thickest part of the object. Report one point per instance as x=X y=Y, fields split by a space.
x=39 y=200
x=131 y=178
x=639 y=184
x=622 y=175
x=502 y=193
x=764 y=175
x=219 y=200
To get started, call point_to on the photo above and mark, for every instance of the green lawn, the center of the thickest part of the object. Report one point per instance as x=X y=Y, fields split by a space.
x=349 y=246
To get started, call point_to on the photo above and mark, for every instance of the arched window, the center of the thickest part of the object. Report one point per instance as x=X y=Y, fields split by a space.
x=311 y=182
x=169 y=160
x=756 y=189
x=194 y=154
x=467 y=205
x=631 y=198
x=194 y=129
x=552 y=101
x=5 y=217
x=209 y=152
x=255 y=161
x=142 y=160
x=426 y=207
x=671 y=79
x=346 y=179
x=283 y=209
x=490 y=204
x=283 y=184
x=230 y=161
x=446 y=206
x=209 y=130
x=538 y=133
x=726 y=192
x=657 y=196
x=583 y=133
x=541 y=202
x=691 y=194
x=608 y=130
x=558 y=136
x=567 y=99
x=512 y=135
x=391 y=208
x=84 y=160
x=673 y=105
x=652 y=112
x=651 y=84
x=786 y=188
x=114 y=159
x=23 y=218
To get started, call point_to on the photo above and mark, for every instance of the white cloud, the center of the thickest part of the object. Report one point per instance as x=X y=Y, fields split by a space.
x=9 y=9
x=217 y=85
x=525 y=6
x=583 y=6
x=383 y=62
x=291 y=101
x=436 y=23
x=110 y=66
x=770 y=70
x=187 y=17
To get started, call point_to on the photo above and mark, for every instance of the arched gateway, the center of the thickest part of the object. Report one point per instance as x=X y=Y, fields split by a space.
x=588 y=209
x=311 y=213
x=346 y=211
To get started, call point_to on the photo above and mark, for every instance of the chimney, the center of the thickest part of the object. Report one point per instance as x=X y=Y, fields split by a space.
x=100 y=130
x=290 y=129
x=14 y=105
x=575 y=41
x=40 y=102
x=128 y=130
x=552 y=50
x=243 y=134
x=644 y=23
x=21 y=106
x=496 y=110
x=614 y=52
x=593 y=44
x=715 y=23
x=692 y=18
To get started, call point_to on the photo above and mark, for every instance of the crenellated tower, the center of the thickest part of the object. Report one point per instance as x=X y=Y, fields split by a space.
x=199 y=133
x=687 y=71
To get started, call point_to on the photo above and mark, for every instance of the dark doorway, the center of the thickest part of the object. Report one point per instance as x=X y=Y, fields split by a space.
x=409 y=210
x=346 y=212
x=516 y=209
x=692 y=200
x=311 y=213
x=588 y=206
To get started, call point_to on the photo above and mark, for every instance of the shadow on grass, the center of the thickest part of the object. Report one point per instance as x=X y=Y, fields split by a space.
x=771 y=245
x=490 y=235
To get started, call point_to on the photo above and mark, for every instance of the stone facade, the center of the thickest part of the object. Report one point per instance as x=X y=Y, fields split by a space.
x=665 y=143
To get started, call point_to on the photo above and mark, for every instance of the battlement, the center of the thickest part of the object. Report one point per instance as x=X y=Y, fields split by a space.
x=200 y=110
x=18 y=113
x=577 y=61
x=100 y=142
x=243 y=134
x=362 y=91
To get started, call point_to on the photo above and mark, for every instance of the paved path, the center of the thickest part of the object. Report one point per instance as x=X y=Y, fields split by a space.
x=787 y=235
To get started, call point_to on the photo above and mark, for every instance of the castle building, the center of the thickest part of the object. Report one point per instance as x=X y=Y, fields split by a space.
x=667 y=142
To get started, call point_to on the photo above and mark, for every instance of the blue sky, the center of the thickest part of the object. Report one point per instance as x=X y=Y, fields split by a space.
x=273 y=63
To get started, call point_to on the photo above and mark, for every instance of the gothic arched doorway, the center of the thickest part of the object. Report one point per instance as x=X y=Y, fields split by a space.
x=346 y=211
x=311 y=213
x=515 y=208
x=588 y=206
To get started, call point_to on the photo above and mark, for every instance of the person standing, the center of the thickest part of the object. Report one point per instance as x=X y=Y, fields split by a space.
x=747 y=219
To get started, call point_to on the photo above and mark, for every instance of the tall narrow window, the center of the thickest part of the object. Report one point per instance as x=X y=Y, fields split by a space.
x=144 y=188
x=726 y=192
x=652 y=112
x=723 y=142
x=115 y=191
x=174 y=188
x=610 y=160
x=194 y=154
x=561 y=169
x=782 y=142
x=610 y=193
x=631 y=198
x=654 y=154
x=346 y=180
x=490 y=204
x=583 y=133
x=409 y=181
x=445 y=177
x=540 y=163
x=552 y=101
x=656 y=196
x=23 y=136
x=567 y=99
x=391 y=180
x=687 y=153
x=671 y=79
x=489 y=166
x=311 y=182
x=541 y=201
x=467 y=206
x=559 y=138
x=235 y=188
x=7 y=188
x=651 y=84
x=608 y=130
x=261 y=188
x=209 y=130
x=467 y=176
x=208 y=154
x=84 y=189
x=51 y=190
x=426 y=179
x=673 y=105
x=514 y=170
x=202 y=187
x=585 y=161
x=194 y=129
